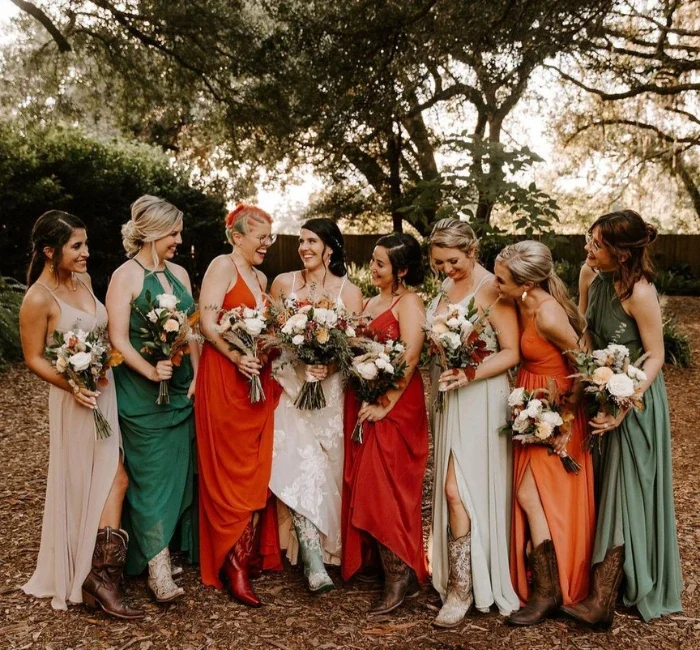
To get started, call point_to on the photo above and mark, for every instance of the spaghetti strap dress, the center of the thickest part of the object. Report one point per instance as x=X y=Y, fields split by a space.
x=468 y=430
x=81 y=473
x=159 y=452
x=567 y=499
x=234 y=446
x=383 y=476
x=634 y=482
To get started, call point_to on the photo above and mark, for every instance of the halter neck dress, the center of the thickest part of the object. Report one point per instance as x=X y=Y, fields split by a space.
x=81 y=473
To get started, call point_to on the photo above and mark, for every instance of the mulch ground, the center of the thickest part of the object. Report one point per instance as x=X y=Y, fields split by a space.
x=291 y=618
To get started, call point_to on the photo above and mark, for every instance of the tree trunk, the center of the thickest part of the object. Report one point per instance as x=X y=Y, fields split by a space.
x=393 y=153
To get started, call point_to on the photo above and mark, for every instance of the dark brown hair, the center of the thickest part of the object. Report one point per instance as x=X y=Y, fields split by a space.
x=404 y=253
x=52 y=229
x=627 y=237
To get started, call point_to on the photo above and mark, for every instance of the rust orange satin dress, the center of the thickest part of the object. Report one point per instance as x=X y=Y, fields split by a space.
x=567 y=499
x=383 y=476
x=234 y=446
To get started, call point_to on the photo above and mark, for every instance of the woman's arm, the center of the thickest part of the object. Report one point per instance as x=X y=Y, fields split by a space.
x=411 y=317
x=352 y=298
x=34 y=315
x=220 y=275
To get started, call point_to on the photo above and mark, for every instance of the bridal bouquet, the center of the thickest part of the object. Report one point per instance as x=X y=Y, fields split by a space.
x=537 y=418
x=610 y=378
x=165 y=332
x=375 y=372
x=316 y=333
x=241 y=327
x=83 y=358
x=455 y=338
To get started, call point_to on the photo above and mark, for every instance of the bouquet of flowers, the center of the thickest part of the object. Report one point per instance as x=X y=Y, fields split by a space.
x=610 y=378
x=315 y=333
x=83 y=359
x=455 y=338
x=242 y=327
x=537 y=417
x=166 y=332
x=373 y=373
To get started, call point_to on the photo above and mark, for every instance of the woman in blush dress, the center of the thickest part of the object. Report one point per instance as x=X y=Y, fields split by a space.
x=383 y=475
x=82 y=552
x=553 y=510
x=471 y=494
x=234 y=436
x=307 y=463
x=635 y=536
x=158 y=438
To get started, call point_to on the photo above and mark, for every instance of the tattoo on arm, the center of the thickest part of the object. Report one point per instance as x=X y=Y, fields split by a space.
x=212 y=307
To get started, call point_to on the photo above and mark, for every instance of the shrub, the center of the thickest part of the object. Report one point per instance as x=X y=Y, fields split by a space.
x=678 y=281
x=11 y=293
x=676 y=344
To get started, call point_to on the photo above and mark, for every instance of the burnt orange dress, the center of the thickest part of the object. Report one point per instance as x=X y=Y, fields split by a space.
x=567 y=499
x=234 y=445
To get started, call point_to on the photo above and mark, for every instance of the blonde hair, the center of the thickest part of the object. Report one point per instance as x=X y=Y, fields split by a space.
x=453 y=233
x=240 y=218
x=151 y=219
x=531 y=261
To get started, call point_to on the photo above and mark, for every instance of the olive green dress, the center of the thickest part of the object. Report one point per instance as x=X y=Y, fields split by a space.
x=158 y=446
x=633 y=475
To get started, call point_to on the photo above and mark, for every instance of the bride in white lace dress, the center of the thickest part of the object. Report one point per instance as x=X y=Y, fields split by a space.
x=307 y=462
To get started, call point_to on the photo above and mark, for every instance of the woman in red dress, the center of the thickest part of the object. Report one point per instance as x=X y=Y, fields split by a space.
x=552 y=510
x=234 y=436
x=383 y=476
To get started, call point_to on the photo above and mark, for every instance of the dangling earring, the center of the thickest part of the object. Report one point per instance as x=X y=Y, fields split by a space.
x=524 y=296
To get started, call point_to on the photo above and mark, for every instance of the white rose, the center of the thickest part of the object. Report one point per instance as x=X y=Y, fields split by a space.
x=350 y=332
x=619 y=351
x=295 y=323
x=543 y=430
x=321 y=315
x=367 y=370
x=451 y=339
x=467 y=328
x=331 y=318
x=522 y=422
x=620 y=385
x=171 y=325
x=438 y=326
x=552 y=418
x=253 y=325
x=248 y=312
x=298 y=339
x=384 y=365
x=636 y=374
x=399 y=347
x=167 y=301
x=453 y=323
x=517 y=397
x=534 y=408
x=80 y=361
x=600 y=357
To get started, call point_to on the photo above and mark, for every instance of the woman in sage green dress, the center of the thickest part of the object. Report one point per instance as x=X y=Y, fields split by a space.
x=158 y=438
x=636 y=528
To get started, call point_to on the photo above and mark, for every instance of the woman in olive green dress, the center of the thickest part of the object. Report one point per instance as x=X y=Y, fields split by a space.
x=636 y=528
x=158 y=438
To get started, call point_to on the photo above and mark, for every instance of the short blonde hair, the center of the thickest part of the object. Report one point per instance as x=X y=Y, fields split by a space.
x=151 y=219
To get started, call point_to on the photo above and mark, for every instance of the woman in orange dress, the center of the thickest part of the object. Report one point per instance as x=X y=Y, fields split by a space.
x=553 y=510
x=234 y=436
x=383 y=476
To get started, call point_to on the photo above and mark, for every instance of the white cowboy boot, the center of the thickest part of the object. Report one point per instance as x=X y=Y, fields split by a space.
x=459 y=583
x=160 y=579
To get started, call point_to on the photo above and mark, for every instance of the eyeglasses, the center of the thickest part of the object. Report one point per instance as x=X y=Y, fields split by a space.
x=593 y=243
x=267 y=240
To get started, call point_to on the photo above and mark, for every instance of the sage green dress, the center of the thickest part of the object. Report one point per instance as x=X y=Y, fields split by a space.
x=158 y=446
x=633 y=475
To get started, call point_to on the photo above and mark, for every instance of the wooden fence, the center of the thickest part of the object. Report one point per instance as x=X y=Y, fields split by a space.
x=669 y=251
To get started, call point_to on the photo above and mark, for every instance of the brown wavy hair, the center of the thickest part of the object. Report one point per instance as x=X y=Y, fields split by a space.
x=627 y=236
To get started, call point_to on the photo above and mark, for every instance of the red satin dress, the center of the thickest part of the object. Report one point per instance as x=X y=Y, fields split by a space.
x=567 y=499
x=383 y=476
x=234 y=447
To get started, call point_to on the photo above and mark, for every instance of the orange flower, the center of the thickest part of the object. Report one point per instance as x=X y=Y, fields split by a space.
x=116 y=358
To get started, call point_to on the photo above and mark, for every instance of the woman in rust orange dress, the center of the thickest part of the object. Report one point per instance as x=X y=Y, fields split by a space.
x=383 y=476
x=552 y=509
x=234 y=436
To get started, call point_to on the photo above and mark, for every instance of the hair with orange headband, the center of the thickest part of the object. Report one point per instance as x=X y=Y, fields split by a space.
x=240 y=218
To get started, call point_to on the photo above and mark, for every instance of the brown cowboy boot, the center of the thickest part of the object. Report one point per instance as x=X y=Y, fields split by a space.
x=598 y=608
x=102 y=587
x=545 y=599
x=234 y=572
x=399 y=582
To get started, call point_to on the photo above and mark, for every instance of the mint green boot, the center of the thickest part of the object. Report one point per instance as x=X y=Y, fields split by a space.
x=312 y=555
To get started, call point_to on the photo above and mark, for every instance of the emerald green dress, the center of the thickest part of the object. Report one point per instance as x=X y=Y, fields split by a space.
x=158 y=446
x=633 y=474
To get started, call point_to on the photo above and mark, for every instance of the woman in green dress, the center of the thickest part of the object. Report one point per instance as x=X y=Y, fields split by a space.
x=158 y=438
x=636 y=528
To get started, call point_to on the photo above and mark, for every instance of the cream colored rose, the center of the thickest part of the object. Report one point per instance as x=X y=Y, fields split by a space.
x=80 y=361
x=171 y=325
x=167 y=301
x=61 y=364
x=552 y=418
x=522 y=422
x=620 y=385
x=295 y=323
x=438 y=327
x=543 y=430
x=601 y=376
x=253 y=326
x=367 y=370
x=534 y=408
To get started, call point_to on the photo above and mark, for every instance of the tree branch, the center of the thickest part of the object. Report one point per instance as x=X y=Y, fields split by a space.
x=38 y=14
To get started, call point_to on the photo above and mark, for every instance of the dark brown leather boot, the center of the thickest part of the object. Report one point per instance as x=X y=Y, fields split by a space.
x=399 y=582
x=545 y=599
x=598 y=608
x=102 y=587
x=234 y=572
